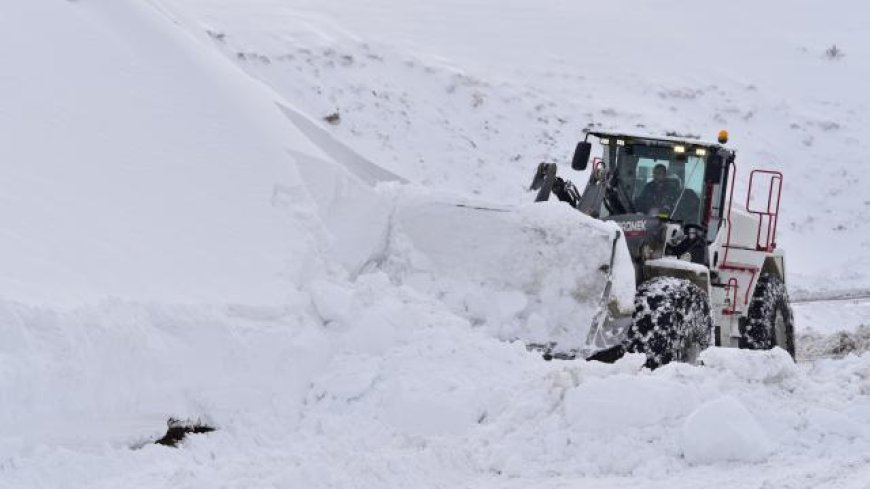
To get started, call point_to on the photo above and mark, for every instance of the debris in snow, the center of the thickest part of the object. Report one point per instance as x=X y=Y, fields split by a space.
x=216 y=35
x=834 y=52
x=178 y=429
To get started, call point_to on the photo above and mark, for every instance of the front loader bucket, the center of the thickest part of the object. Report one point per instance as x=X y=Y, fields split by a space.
x=543 y=273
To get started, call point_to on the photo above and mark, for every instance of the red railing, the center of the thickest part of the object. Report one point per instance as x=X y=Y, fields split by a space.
x=770 y=214
x=740 y=268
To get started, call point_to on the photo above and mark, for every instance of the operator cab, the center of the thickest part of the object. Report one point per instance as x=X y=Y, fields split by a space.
x=678 y=180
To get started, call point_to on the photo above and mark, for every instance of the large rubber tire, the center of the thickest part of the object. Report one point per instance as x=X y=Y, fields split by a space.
x=769 y=321
x=671 y=322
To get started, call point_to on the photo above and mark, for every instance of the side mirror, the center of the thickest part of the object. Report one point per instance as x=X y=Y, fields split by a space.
x=581 y=155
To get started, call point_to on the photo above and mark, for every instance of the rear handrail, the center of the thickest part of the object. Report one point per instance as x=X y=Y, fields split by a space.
x=771 y=213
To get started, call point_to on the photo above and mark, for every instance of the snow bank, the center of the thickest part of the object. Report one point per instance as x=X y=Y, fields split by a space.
x=113 y=373
x=389 y=389
x=139 y=164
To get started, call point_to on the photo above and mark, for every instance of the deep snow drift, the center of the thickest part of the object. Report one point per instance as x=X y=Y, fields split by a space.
x=138 y=164
x=182 y=239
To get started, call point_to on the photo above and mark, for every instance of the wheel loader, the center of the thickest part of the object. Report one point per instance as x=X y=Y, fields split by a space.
x=656 y=255
x=707 y=267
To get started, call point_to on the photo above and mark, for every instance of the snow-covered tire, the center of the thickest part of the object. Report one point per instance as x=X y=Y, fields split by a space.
x=769 y=320
x=671 y=321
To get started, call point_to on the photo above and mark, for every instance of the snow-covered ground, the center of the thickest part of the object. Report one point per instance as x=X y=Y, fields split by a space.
x=186 y=236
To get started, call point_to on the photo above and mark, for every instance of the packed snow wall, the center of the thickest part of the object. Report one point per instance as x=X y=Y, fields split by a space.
x=534 y=273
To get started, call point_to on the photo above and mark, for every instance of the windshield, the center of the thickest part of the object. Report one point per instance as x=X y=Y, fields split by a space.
x=658 y=180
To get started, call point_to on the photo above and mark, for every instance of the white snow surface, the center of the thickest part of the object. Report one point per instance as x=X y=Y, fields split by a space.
x=185 y=237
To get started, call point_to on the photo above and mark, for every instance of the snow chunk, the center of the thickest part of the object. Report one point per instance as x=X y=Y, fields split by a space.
x=767 y=366
x=723 y=430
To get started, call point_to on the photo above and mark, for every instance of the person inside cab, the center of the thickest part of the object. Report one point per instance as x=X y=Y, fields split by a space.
x=660 y=194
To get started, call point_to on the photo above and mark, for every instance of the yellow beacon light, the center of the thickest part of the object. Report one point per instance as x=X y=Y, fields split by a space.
x=723 y=136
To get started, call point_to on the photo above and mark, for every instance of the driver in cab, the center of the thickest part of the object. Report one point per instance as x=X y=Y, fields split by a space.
x=660 y=194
